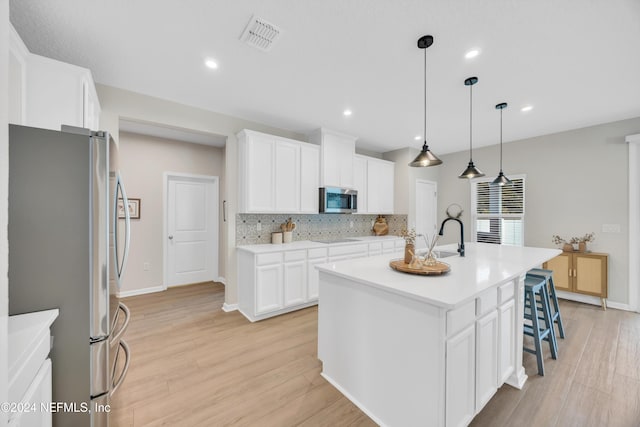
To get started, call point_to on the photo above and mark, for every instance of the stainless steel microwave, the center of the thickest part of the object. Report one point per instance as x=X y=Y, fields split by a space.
x=338 y=200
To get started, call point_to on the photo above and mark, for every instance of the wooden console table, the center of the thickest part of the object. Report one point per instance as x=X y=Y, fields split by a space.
x=581 y=272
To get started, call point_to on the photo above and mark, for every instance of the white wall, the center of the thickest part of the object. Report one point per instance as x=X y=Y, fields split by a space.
x=576 y=182
x=118 y=103
x=143 y=161
x=4 y=196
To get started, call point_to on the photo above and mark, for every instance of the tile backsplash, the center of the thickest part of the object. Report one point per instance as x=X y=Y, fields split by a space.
x=311 y=227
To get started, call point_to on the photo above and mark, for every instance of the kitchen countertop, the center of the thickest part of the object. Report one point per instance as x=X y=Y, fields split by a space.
x=484 y=266
x=309 y=244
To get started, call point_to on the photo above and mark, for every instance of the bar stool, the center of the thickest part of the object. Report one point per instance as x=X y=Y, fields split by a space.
x=536 y=301
x=548 y=276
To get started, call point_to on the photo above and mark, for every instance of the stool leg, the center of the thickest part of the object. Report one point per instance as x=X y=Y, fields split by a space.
x=556 y=307
x=553 y=344
x=536 y=333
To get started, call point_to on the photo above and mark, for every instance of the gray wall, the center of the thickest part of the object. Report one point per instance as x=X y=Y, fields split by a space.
x=576 y=181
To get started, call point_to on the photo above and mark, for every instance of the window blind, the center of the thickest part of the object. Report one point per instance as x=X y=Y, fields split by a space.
x=499 y=212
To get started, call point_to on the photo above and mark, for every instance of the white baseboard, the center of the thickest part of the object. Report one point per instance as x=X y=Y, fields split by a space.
x=222 y=280
x=229 y=307
x=353 y=399
x=134 y=292
x=588 y=299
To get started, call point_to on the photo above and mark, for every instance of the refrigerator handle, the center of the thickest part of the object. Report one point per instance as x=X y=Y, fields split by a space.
x=121 y=264
x=115 y=384
x=115 y=338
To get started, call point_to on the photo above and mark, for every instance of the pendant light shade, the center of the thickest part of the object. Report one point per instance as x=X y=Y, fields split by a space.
x=501 y=179
x=426 y=157
x=471 y=171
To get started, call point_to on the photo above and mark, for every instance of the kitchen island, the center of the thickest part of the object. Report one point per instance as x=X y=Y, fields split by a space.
x=425 y=350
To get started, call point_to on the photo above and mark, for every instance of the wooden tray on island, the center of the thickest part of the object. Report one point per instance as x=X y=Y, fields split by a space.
x=438 y=269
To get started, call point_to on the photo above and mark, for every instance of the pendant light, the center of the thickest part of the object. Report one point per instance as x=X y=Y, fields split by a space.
x=471 y=171
x=501 y=179
x=426 y=157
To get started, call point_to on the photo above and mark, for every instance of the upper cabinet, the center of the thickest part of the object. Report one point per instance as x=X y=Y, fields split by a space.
x=46 y=93
x=336 y=157
x=374 y=180
x=277 y=175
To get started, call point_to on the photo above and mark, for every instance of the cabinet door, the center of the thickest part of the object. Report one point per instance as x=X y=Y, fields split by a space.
x=337 y=155
x=561 y=266
x=460 y=380
x=313 y=278
x=506 y=341
x=295 y=283
x=486 y=358
x=380 y=182
x=590 y=274
x=260 y=187
x=309 y=178
x=287 y=177
x=268 y=288
x=360 y=182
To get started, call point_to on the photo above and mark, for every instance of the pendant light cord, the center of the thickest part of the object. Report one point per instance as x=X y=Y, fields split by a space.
x=425 y=96
x=501 y=140
x=471 y=122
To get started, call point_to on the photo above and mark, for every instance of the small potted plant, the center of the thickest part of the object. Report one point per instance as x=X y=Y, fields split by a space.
x=410 y=244
x=582 y=241
x=566 y=246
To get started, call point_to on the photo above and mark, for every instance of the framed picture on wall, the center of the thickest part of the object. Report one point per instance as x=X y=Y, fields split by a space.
x=134 y=209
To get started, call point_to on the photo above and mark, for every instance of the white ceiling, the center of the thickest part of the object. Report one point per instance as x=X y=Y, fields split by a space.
x=576 y=61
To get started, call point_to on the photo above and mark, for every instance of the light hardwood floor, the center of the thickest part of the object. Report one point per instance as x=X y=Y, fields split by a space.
x=195 y=365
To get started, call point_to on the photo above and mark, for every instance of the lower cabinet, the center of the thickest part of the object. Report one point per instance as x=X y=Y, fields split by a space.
x=480 y=352
x=268 y=288
x=581 y=272
x=295 y=281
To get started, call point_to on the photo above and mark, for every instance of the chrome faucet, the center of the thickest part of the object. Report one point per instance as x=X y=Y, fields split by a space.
x=461 y=244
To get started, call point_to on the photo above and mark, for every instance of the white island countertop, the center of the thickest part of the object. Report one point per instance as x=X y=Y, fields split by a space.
x=483 y=266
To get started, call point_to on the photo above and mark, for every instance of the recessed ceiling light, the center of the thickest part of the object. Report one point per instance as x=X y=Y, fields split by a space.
x=347 y=112
x=526 y=108
x=211 y=64
x=417 y=137
x=472 y=53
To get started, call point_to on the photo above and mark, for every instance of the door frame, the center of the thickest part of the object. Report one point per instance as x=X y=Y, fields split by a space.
x=167 y=176
x=633 y=142
x=415 y=194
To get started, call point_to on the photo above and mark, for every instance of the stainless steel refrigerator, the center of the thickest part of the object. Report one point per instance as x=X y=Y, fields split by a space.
x=65 y=244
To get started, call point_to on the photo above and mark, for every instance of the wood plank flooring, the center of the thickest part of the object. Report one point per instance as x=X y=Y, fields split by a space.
x=195 y=365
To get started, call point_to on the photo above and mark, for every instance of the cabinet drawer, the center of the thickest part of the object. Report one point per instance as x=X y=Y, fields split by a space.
x=375 y=248
x=272 y=258
x=486 y=301
x=295 y=255
x=505 y=292
x=348 y=250
x=317 y=253
x=460 y=317
x=389 y=245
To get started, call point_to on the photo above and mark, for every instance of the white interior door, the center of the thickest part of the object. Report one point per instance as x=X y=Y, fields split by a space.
x=192 y=229
x=426 y=209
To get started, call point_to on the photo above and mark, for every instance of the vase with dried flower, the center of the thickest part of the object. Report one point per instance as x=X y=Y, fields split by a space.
x=409 y=244
x=566 y=246
x=582 y=241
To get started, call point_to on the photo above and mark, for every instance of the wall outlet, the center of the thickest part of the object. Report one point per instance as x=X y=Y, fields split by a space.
x=146 y=266
x=610 y=228
x=350 y=224
x=259 y=226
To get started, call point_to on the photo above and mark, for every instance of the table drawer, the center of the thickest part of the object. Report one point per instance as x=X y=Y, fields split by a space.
x=271 y=258
x=317 y=253
x=487 y=301
x=505 y=292
x=295 y=255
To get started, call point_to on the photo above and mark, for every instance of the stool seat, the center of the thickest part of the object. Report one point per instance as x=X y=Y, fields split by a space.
x=555 y=315
x=536 y=309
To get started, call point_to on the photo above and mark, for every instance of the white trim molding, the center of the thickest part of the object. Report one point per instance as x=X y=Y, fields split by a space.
x=222 y=280
x=229 y=307
x=134 y=292
x=634 y=221
x=588 y=299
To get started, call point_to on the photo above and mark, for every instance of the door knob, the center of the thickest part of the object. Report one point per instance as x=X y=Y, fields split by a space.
x=170 y=237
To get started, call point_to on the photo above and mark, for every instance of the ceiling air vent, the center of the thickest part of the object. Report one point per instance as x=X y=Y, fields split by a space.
x=260 y=34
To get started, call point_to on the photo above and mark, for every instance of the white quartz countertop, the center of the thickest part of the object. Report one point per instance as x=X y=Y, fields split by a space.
x=309 y=244
x=484 y=266
x=24 y=330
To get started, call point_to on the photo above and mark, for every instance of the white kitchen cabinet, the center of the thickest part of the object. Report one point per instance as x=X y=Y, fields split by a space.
x=336 y=157
x=360 y=182
x=268 y=288
x=460 y=378
x=506 y=355
x=59 y=94
x=309 y=178
x=38 y=394
x=18 y=56
x=276 y=175
x=295 y=281
x=486 y=358
x=287 y=173
x=380 y=183
x=315 y=256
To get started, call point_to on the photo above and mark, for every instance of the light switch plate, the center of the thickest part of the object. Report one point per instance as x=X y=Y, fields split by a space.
x=610 y=228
